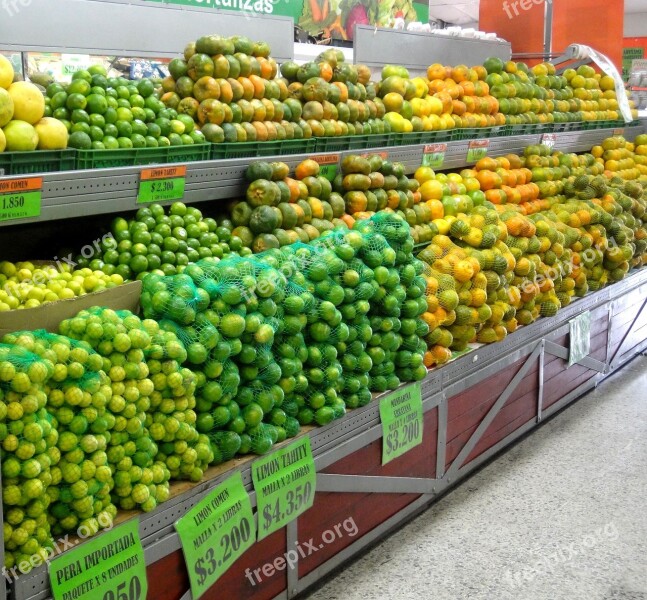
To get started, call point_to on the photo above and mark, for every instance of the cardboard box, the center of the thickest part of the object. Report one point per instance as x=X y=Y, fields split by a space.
x=48 y=316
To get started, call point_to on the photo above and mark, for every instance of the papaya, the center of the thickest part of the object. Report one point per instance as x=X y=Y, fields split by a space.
x=263 y=192
x=337 y=204
x=258 y=170
x=245 y=234
x=241 y=214
x=265 y=219
x=356 y=181
x=279 y=171
x=353 y=163
x=289 y=215
x=265 y=241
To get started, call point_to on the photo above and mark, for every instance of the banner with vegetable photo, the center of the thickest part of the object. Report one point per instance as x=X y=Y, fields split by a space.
x=337 y=18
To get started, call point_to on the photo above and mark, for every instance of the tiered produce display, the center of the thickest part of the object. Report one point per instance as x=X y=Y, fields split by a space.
x=302 y=299
x=230 y=90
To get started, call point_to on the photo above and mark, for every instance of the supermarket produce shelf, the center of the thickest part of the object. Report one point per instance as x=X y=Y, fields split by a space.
x=620 y=325
x=81 y=193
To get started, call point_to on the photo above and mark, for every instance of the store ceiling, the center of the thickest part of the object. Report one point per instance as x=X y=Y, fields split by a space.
x=463 y=13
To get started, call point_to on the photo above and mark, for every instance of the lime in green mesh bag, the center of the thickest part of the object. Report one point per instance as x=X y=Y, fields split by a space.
x=28 y=436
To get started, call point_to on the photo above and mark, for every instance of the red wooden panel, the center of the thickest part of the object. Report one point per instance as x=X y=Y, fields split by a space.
x=470 y=420
x=366 y=514
x=526 y=389
x=511 y=417
x=168 y=579
x=483 y=392
x=560 y=386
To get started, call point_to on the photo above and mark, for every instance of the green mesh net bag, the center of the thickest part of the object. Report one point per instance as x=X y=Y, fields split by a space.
x=28 y=436
x=175 y=297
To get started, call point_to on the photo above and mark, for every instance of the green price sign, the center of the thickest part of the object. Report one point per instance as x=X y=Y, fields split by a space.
x=476 y=150
x=216 y=532
x=109 y=566
x=284 y=482
x=580 y=334
x=433 y=155
x=401 y=416
x=161 y=184
x=20 y=198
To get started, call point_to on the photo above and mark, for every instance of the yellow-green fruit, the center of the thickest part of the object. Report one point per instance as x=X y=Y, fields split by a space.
x=6 y=72
x=52 y=134
x=6 y=107
x=3 y=141
x=28 y=100
x=21 y=136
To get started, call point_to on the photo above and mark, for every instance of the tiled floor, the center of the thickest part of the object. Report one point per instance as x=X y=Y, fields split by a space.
x=561 y=516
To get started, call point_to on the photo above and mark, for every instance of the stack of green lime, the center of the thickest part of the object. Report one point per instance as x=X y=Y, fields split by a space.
x=102 y=113
x=162 y=241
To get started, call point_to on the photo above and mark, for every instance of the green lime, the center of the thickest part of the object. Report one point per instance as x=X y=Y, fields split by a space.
x=80 y=116
x=187 y=121
x=96 y=133
x=97 y=104
x=75 y=101
x=139 y=127
x=110 y=142
x=58 y=100
x=79 y=140
x=138 y=140
x=97 y=121
x=61 y=113
x=79 y=86
x=53 y=89
x=163 y=141
x=125 y=142
x=124 y=114
x=123 y=92
x=110 y=115
x=139 y=113
x=137 y=101
x=175 y=139
x=124 y=128
x=151 y=142
x=145 y=87
x=82 y=74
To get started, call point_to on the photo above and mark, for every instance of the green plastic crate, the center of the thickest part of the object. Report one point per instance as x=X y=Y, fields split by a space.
x=298 y=146
x=376 y=140
x=358 y=142
x=38 y=161
x=497 y=131
x=128 y=157
x=433 y=137
x=473 y=133
x=334 y=144
x=407 y=139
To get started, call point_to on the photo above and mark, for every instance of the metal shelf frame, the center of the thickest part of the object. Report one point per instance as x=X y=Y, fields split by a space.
x=362 y=426
x=70 y=194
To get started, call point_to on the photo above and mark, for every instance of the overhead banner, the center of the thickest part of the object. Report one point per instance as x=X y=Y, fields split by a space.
x=335 y=18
